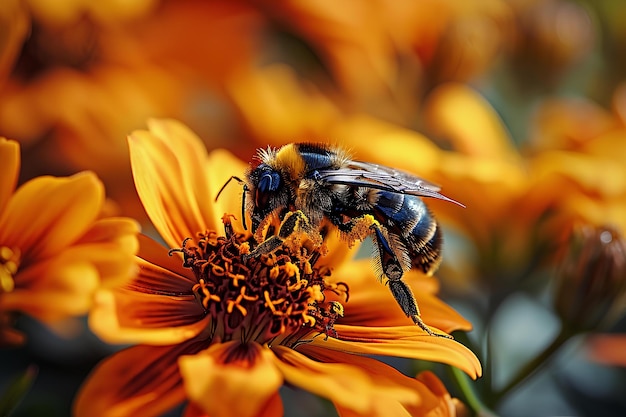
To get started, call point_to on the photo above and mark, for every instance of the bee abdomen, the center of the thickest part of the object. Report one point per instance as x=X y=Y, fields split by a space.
x=428 y=256
x=409 y=216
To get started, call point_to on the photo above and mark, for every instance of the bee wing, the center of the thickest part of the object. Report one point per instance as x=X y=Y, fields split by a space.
x=363 y=174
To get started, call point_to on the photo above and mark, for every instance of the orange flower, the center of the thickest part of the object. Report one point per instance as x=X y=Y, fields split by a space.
x=54 y=250
x=448 y=406
x=608 y=349
x=88 y=73
x=573 y=174
x=226 y=333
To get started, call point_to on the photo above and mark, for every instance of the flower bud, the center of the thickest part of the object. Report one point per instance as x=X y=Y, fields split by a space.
x=591 y=282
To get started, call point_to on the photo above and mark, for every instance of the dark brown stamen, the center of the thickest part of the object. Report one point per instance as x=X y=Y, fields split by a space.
x=275 y=298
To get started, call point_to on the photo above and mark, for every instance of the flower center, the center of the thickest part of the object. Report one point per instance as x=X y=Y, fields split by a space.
x=9 y=263
x=276 y=298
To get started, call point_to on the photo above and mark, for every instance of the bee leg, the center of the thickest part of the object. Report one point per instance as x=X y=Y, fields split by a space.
x=293 y=221
x=404 y=296
x=399 y=289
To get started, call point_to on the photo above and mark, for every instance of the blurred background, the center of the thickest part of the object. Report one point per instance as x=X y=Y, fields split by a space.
x=517 y=108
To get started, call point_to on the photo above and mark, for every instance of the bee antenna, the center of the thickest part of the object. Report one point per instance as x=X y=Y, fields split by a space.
x=239 y=180
x=243 y=199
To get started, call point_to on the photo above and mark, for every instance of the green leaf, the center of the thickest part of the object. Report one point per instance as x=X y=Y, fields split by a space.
x=17 y=390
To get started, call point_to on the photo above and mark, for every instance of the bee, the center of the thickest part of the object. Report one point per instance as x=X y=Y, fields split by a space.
x=307 y=187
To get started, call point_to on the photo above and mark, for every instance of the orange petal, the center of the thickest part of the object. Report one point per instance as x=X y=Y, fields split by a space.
x=403 y=342
x=129 y=317
x=447 y=405
x=54 y=289
x=161 y=272
x=401 y=145
x=141 y=380
x=168 y=164
x=237 y=387
x=10 y=163
x=461 y=115
x=136 y=309
x=221 y=166
x=156 y=254
x=109 y=245
x=345 y=384
x=273 y=408
x=15 y=24
x=120 y=230
x=371 y=304
x=608 y=349
x=71 y=205
x=384 y=375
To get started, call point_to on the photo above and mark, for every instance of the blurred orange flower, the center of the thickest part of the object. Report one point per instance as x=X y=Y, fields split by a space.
x=87 y=74
x=608 y=349
x=55 y=251
x=574 y=174
x=214 y=329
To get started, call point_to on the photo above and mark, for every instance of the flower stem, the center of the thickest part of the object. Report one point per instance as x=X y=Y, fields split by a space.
x=533 y=367
x=471 y=399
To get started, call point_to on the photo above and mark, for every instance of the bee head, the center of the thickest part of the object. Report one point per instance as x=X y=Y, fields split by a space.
x=268 y=191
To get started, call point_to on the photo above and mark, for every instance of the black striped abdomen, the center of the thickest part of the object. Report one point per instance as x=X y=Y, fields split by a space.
x=408 y=217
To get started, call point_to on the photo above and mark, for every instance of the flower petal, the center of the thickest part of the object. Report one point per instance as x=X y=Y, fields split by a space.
x=366 y=293
x=161 y=272
x=10 y=163
x=110 y=245
x=125 y=317
x=273 y=408
x=384 y=375
x=608 y=349
x=168 y=169
x=457 y=112
x=405 y=342
x=239 y=387
x=141 y=380
x=221 y=166
x=345 y=384
x=170 y=166
x=47 y=214
x=447 y=406
x=53 y=290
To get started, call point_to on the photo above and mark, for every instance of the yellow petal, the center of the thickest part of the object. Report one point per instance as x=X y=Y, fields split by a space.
x=220 y=167
x=53 y=290
x=371 y=304
x=46 y=214
x=236 y=388
x=160 y=270
x=385 y=376
x=459 y=114
x=110 y=245
x=346 y=385
x=116 y=326
x=141 y=380
x=447 y=406
x=15 y=24
x=168 y=166
x=10 y=163
x=403 y=148
x=404 y=342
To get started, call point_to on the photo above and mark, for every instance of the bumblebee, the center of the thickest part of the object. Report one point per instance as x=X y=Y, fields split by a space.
x=306 y=187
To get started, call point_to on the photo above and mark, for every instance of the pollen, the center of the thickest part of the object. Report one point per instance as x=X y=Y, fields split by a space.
x=9 y=264
x=269 y=299
x=362 y=228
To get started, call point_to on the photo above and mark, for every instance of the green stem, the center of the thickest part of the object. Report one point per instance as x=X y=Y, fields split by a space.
x=469 y=395
x=532 y=367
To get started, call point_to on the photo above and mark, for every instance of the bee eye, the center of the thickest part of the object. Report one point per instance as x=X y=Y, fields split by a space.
x=269 y=182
